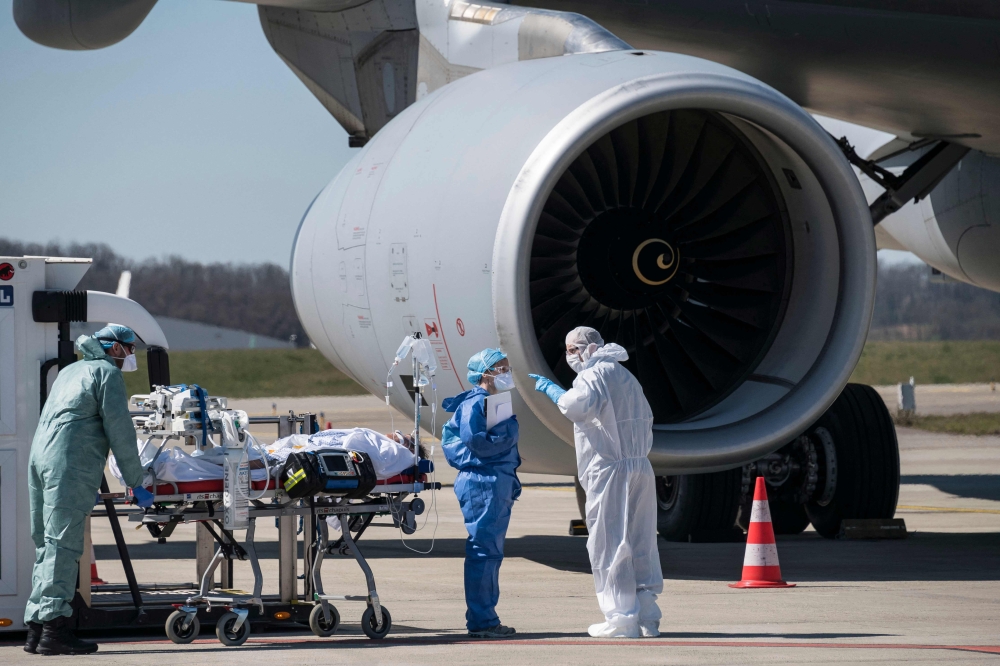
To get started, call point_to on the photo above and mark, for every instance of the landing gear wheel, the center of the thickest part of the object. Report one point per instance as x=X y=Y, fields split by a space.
x=698 y=505
x=176 y=631
x=225 y=632
x=368 y=623
x=788 y=517
x=319 y=624
x=866 y=464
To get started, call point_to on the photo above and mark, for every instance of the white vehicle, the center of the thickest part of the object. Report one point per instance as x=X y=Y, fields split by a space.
x=526 y=170
x=38 y=302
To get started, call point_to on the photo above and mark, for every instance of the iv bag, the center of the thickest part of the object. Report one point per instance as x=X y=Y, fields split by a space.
x=404 y=348
x=424 y=353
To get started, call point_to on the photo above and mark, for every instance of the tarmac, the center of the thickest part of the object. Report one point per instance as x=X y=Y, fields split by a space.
x=932 y=598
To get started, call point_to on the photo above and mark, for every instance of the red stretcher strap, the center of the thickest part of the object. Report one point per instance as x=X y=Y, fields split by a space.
x=209 y=486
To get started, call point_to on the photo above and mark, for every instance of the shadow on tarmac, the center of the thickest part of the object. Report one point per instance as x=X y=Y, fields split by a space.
x=930 y=556
x=977 y=486
x=351 y=636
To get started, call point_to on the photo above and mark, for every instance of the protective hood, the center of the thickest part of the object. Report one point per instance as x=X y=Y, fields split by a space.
x=91 y=349
x=609 y=352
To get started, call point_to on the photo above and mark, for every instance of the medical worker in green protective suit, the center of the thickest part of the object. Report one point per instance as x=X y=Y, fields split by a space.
x=85 y=416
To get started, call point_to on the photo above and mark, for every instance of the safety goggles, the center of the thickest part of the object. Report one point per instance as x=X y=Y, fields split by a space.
x=127 y=346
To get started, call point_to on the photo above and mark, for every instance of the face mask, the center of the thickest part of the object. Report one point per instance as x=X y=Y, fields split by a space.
x=574 y=362
x=504 y=382
x=129 y=364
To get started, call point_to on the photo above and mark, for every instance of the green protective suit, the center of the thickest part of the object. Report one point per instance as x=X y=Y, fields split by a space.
x=85 y=415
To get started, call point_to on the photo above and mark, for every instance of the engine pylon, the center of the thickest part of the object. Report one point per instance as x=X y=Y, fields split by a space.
x=760 y=564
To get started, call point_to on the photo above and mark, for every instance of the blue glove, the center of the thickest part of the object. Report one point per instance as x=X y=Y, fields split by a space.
x=143 y=497
x=548 y=387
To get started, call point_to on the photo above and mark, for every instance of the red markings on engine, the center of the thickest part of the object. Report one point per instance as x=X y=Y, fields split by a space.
x=460 y=325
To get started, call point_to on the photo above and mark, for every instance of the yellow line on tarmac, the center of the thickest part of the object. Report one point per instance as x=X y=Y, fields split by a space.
x=942 y=509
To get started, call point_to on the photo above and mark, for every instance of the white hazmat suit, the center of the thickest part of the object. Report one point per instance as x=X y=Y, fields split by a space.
x=612 y=425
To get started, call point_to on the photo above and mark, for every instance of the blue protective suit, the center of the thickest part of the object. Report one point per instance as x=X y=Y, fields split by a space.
x=85 y=416
x=486 y=487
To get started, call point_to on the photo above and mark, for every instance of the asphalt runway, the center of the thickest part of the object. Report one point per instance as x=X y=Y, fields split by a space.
x=933 y=598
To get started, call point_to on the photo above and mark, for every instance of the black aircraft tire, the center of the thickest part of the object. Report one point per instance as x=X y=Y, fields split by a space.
x=864 y=438
x=788 y=517
x=697 y=503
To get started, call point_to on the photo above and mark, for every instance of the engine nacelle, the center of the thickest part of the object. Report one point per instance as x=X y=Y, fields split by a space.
x=78 y=25
x=955 y=229
x=689 y=212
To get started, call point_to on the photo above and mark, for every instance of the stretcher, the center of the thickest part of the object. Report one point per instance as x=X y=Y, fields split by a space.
x=200 y=502
x=237 y=501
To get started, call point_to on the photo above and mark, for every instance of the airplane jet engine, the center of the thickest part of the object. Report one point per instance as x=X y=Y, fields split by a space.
x=689 y=212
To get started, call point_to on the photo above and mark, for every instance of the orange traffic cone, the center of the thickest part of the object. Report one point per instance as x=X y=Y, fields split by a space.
x=94 y=578
x=760 y=564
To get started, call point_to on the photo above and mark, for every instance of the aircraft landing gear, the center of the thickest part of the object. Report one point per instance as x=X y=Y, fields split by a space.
x=846 y=465
x=866 y=462
x=698 y=507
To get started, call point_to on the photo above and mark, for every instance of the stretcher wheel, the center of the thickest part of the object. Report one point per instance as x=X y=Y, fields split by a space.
x=318 y=623
x=368 y=623
x=176 y=631
x=224 y=630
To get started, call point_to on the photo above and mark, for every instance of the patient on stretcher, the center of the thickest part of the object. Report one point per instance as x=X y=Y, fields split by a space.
x=391 y=455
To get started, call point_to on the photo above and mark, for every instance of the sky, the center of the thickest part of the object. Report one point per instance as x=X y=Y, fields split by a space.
x=188 y=138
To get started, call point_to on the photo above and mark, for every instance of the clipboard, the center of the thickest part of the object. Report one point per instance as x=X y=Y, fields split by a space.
x=498 y=408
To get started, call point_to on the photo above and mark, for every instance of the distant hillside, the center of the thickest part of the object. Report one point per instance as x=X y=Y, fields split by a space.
x=250 y=297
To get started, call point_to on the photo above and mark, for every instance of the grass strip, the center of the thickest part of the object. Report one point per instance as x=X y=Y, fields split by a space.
x=978 y=423
x=929 y=362
x=252 y=373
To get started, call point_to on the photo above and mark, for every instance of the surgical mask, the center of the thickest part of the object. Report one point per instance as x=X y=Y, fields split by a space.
x=129 y=364
x=504 y=382
x=575 y=362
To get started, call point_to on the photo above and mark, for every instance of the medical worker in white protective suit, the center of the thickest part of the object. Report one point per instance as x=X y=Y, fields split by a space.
x=613 y=427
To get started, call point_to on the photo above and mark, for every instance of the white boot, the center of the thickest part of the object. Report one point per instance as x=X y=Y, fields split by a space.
x=649 y=614
x=608 y=630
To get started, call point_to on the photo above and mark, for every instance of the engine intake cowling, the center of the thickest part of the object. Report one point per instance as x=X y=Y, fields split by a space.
x=687 y=211
x=670 y=236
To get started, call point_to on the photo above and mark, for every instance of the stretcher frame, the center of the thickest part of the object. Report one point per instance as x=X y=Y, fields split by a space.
x=384 y=499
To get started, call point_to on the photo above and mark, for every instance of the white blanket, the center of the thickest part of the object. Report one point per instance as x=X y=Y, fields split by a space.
x=389 y=458
x=175 y=464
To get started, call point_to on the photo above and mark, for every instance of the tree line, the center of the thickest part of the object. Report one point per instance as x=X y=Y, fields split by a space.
x=256 y=298
x=911 y=305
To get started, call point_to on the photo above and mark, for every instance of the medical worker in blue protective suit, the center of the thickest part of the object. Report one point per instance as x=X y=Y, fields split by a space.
x=85 y=416
x=613 y=433
x=486 y=486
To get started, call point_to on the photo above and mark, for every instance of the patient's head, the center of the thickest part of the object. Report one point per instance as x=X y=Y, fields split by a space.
x=407 y=441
